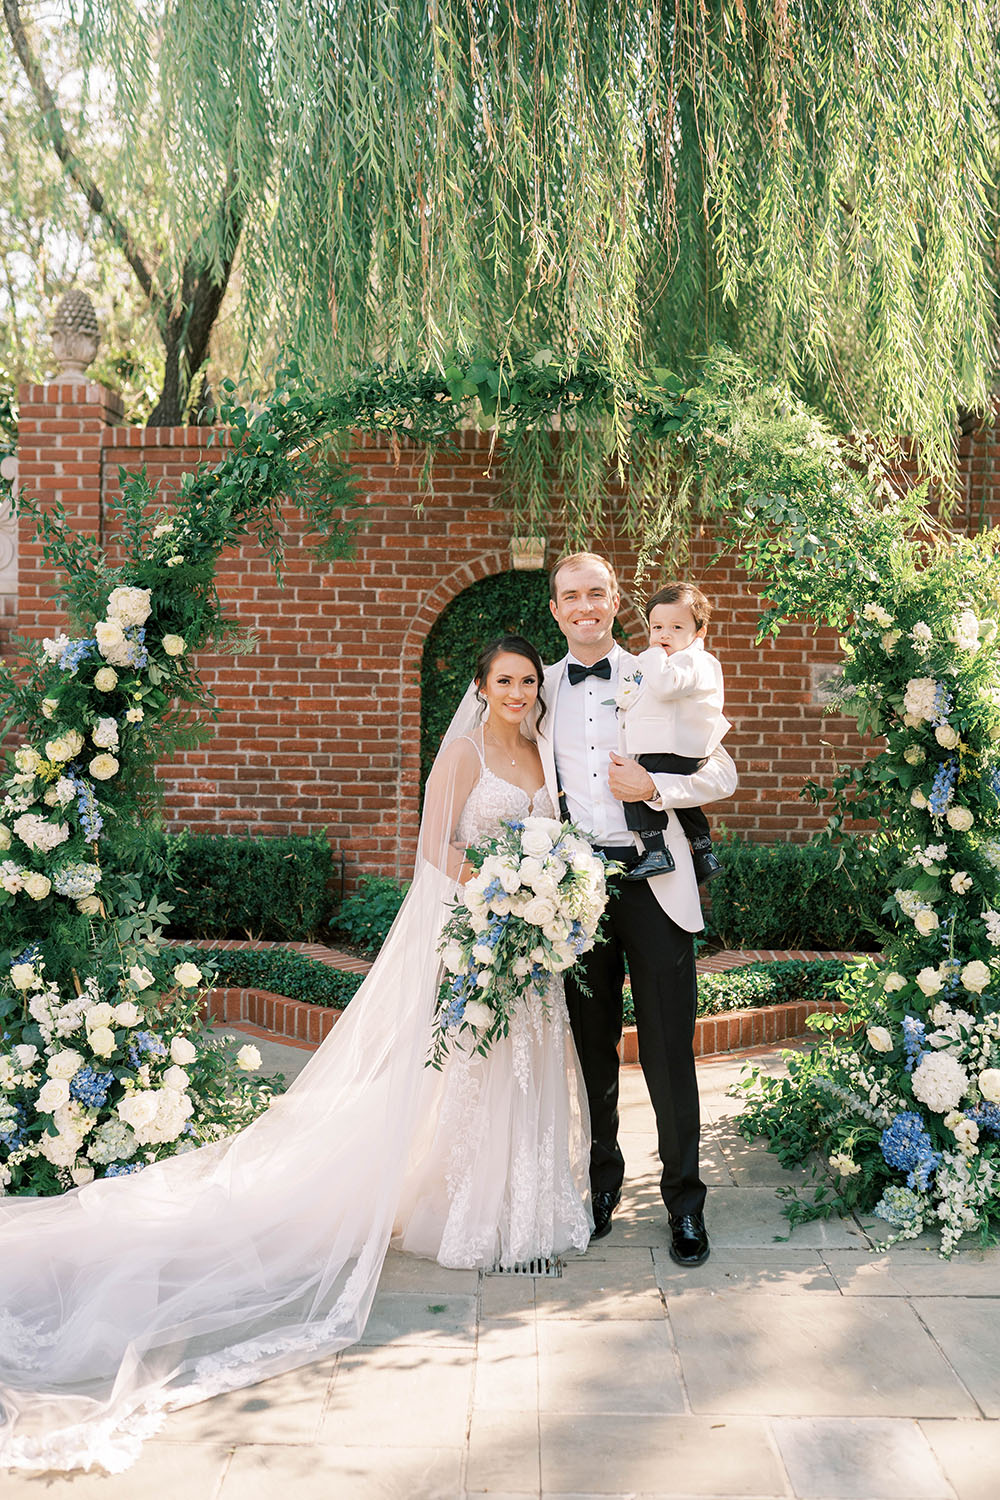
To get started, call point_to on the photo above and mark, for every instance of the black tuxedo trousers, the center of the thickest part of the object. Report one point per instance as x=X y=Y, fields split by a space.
x=664 y=992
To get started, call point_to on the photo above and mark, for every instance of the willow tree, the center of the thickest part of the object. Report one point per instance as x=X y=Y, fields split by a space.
x=405 y=182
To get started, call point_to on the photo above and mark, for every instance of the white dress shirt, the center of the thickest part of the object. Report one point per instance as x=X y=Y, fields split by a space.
x=585 y=732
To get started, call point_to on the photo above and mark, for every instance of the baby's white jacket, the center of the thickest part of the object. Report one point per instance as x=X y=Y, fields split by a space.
x=672 y=704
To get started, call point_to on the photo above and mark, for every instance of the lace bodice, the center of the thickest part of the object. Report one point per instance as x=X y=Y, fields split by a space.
x=493 y=799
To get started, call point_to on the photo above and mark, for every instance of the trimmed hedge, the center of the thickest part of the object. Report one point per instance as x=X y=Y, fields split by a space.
x=365 y=917
x=223 y=886
x=754 y=985
x=797 y=896
x=283 y=972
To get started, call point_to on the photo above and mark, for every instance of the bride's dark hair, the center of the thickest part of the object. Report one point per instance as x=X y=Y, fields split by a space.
x=516 y=645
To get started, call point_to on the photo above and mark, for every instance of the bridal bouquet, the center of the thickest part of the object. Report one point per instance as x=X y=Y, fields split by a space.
x=532 y=907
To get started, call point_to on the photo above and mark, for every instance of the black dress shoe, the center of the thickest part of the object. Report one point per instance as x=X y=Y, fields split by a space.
x=604 y=1206
x=656 y=862
x=706 y=867
x=688 y=1240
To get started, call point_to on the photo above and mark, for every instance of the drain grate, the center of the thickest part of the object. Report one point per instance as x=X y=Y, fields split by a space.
x=538 y=1267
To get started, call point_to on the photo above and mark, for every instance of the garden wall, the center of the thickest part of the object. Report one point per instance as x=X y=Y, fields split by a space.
x=320 y=727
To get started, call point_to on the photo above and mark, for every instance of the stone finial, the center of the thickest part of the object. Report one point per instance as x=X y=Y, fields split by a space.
x=75 y=335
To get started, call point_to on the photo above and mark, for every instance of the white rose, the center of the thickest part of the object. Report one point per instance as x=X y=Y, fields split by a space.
x=989 y=1085
x=64 y=1064
x=103 y=767
x=52 y=1095
x=22 y=976
x=105 y=735
x=451 y=957
x=959 y=818
x=248 y=1058
x=174 y=645
x=880 y=1038
x=484 y=979
x=917 y=799
x=105 y=679
x=535 y=842
x=4 y=837
x=130 y=606
x=947 y=737
x=914 y=755
x=89 y=905
x=175 y=1078
x=976 y=976
x=539 y=911
x=141 y=977
x=182 y=1050
x=101 y=1014
x=26 y=1054
x=893 y=981
x=111 y=642
x=139 y=1108
x=930 y=981
x=82 y=1175
x=521 y=967
x=49 y=706
x=926 y=922
x=37 y=887
x=127 y=1013
x=102 y=1041
x=482 y=954
x=27 y=760
x=477 y=1014
x=187 y=975
x=509 y=877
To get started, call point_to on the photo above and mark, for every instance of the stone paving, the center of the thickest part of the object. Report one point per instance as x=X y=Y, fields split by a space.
x=804 y=1367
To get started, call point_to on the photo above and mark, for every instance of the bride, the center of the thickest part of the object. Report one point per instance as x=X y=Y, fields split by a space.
x=137 y=1295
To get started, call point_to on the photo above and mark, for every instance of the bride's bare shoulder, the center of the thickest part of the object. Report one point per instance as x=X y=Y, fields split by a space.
x=461 y=756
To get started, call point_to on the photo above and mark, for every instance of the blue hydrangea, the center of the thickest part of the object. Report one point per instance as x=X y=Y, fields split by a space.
x=987 y=1117
x=78 y=879
x=123 y=1168
x=899 y=1206
x=90 y=1087
x=905 y=1142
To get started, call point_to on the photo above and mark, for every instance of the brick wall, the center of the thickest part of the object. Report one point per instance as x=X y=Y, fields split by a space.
x=319 y=728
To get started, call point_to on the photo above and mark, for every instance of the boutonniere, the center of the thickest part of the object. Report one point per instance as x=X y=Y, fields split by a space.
x=628 y=687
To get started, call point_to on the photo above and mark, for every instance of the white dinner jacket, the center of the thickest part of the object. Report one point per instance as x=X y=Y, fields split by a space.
x=677 y=892
x=673 y=704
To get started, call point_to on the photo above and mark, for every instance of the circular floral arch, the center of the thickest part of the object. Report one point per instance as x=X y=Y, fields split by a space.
x=904 y=1103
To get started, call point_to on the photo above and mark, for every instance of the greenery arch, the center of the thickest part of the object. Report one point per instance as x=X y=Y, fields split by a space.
x=906 y=1102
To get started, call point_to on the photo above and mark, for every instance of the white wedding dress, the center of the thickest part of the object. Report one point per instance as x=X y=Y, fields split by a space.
x=216 y=1269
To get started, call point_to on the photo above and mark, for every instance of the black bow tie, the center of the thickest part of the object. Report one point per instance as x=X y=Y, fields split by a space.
x=600 y=668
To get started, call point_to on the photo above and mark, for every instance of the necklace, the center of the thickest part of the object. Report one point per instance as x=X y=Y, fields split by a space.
x=504 y=752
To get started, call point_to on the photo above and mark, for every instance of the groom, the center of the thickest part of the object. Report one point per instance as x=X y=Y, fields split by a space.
x=651 y=922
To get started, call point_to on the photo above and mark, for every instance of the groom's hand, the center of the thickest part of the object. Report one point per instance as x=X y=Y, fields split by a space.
x=628 y=781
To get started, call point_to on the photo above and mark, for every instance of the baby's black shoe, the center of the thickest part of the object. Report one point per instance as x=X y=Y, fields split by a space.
x=655 y=862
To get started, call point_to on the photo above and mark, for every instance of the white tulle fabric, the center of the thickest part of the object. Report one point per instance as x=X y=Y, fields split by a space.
x=216 y=1269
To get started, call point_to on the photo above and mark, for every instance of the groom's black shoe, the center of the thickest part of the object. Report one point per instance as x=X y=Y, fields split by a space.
x=604 y=1206
x=688 y=1240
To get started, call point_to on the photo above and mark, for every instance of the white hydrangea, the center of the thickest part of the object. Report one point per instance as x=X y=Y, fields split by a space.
x=921 y=635
x=963 y=631
x=129 y=606
x=920 y=698
x=38 y=833
x=992 y=920
x=105 y=734
x=914 y=755
x=939 y=1081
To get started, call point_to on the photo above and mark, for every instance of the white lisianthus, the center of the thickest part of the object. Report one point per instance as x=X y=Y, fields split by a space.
x=37 y=886
x=175 y=1078
x=976 y=976
x=959 y=818
x=947 y=737
x=877 y=615
x=961 y=882
x=22 y=976
x=141 y=977
x=105 y=679
x=129 y=606
x=926 y=922
x=917 y=799
x=174 y=645
x=929 y=981
x=844 y=1164
x=482 y=954
x=102 y=1041
x=451 y=957
x=64 y=1064
x=477 y=1015
x=26 y=1054
x=49 y=706
x=176 y=560
x=52 y=1095
x=11 y=878
x=163 y=529
x=135 y=715
x=182 y=1050
x=880 y=1038
x=989 y=1085
x=894 y=981
x=939 y=1081
x=105 y=735
x=914 y=755
x=965 y=1131
x=248 y=1058
x=103 y=767
x=890 y=640
x=188 y=975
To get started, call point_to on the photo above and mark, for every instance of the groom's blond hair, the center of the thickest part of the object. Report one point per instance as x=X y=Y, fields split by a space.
x=570 y=560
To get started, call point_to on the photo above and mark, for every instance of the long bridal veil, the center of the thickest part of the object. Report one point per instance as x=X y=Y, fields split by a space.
x=209 y=1271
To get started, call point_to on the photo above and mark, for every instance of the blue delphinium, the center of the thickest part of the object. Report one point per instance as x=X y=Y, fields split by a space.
x=86 y=804
x=943 y=703
x=145 y=1041
x=74 y=652
x=914 y=1031
x=90 y=1087
x=987 y=1117
x=944 y=785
